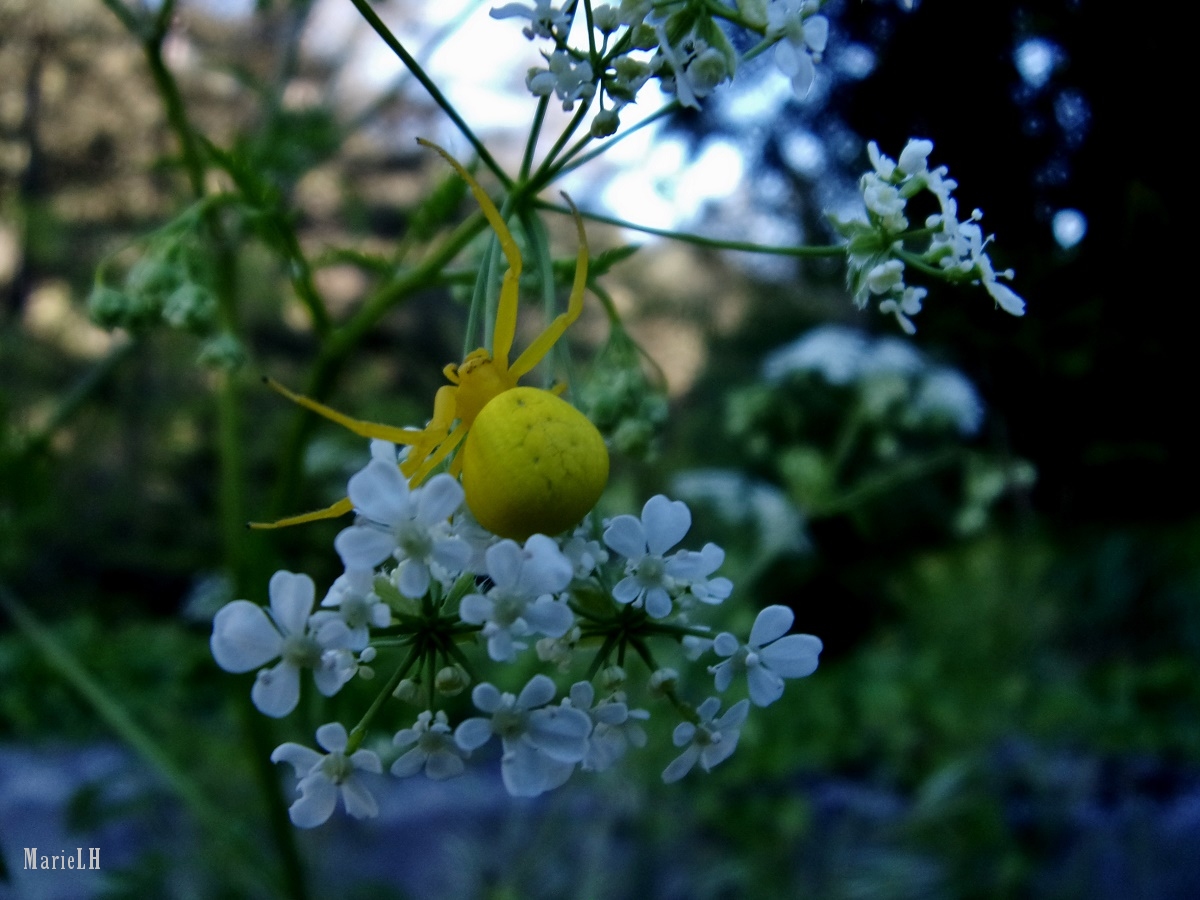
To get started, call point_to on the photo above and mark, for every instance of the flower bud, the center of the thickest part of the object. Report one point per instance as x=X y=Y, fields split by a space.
x=451 y=681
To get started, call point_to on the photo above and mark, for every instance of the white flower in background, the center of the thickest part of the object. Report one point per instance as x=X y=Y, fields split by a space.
x=708 y=742
x=324 y=776
x=649 y=577
x=521 y=602
x=834 y=352
x=354 y=602
x=569 y=78
x=541 y=744
x=614 y=726
x=435 y=750
x=947 y=395
x=768 y=657
x=802 y=38
x=544 y=19
x=410 y=525
x=246 y=637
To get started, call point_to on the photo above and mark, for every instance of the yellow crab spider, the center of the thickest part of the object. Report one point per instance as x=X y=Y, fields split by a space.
x=529 y=462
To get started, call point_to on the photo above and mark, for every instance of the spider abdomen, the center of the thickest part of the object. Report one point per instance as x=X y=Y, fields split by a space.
x=532 y=464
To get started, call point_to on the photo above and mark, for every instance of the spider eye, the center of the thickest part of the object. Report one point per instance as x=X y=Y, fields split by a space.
x=532 y=464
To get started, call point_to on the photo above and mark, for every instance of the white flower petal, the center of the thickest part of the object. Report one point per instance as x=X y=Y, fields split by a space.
x=816 y=33
x=302 y=759
x=243 y=637
x=475 y=609
x=560 y=732
x=292 y=598
x=358 y=800
x=440 y=498
x=362 y=547
x=332 y=736
x=409 y=764
x=317 y=799
x=380 y=493
x=765 y=686
x=366 y=761
x=681 y=765
x=550 y=617
x=414 y=578
x=773 y=622
x=524 y=771
x=276 y=691
x=658 y=603
x=504 y=561
x=472 y=734
x=538 y=692
x=666 y=522
x=627 y=590
x=487 y=697
x=725 y=644
x=625 y=535
x=794 y=656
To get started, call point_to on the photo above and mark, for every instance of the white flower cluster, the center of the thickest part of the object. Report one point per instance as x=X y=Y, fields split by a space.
x=677 y=41
x=424 y=581
x=880 y=247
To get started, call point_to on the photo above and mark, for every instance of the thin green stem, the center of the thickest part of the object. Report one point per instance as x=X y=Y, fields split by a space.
x=541 y=177
x=665 y=111
x=535 y=131
x=801 y=251
x=432 y=89
x=359 y=731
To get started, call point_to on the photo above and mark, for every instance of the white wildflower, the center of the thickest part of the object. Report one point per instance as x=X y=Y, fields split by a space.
x=410 y=525
x=435 y=750
x=246 y=637
x=768 y=657
x=324 y=776
x=521 y=602
x=708 y=742
x=541 y=744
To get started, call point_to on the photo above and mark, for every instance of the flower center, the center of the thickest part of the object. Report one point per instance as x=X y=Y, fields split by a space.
x=336 y=767
x=413 y=540
x=508 y=723
x=302 y=651
x=650 y=571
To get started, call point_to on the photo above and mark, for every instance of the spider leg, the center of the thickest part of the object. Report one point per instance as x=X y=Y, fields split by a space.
x=446 y=448
x=359 y=427
x=435 y=432
x=340 y=508
x=541 y=345
x=506 y=310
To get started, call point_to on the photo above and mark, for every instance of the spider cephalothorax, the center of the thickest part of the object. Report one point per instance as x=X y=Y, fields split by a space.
x=535 y=463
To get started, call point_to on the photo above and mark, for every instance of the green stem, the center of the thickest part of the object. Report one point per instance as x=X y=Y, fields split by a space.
x=665 y=111
x=539 y=116
x=359 y=731
x=439 y=98
x=801 y=251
